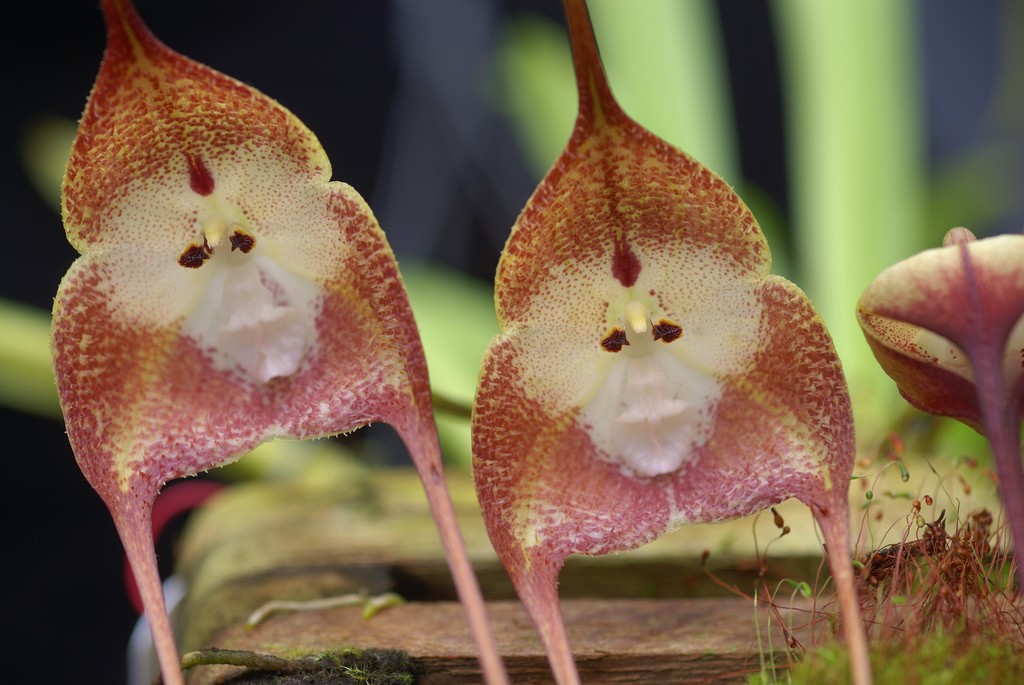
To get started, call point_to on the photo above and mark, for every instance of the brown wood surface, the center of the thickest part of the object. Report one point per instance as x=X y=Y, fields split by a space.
x=615 y=641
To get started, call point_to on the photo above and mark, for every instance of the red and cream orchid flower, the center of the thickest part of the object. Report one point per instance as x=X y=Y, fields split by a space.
x=948 y=326
x=227 y=292
x=651 y=372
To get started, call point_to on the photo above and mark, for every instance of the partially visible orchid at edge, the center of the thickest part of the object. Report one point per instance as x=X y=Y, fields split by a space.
x=947 y=325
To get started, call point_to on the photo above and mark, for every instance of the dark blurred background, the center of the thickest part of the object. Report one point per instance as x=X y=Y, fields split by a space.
x=392 y=90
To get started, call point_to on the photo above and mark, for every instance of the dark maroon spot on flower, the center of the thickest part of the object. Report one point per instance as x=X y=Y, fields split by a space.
x=614 y=341
x=666 y=331
x=199 y=177
x=625 y=264
x=241 y=240
x=193 y=256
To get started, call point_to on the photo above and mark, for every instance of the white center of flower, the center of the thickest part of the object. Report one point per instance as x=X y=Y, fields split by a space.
x=252 y=315
x=653 y=407
x=266 y=339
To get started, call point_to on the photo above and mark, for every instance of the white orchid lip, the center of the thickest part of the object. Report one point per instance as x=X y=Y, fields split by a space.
x=653 y=408
x=251 y=315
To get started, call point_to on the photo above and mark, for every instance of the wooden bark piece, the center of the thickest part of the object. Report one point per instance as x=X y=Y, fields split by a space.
x=617 y=641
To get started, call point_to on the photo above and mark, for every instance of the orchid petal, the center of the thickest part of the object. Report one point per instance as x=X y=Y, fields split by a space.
x=227 y=293
x=650 y=372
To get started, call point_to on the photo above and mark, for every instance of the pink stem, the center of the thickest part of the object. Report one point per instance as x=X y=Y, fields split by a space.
x=466 y=584
x=429 y=466
x=136 y=531
x=998 y=416
x=1003 y=436
x=538 y=591
x=835 y=527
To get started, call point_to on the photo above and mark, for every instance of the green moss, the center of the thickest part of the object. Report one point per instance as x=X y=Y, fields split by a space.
x=938 y=658
x=344 y=667
x=372 y=667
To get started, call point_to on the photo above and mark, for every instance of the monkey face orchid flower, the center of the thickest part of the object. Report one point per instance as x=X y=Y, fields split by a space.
x=227 y=292
x=948 y=326
x=650 y=372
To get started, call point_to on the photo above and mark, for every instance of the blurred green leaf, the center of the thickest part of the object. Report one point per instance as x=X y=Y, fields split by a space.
x=456 y=440
x=26 y=380
x=44 y=152
x=858 y=174
x=537 y=88
x=283 y=460
x=956 y=440
x=455 y=315
x=26 y=371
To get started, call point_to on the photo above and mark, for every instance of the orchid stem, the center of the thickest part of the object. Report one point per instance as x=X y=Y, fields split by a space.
x=426 y=452
x=836 y=531
x=466 y=584
x=1000 y=425
x=1006 y=450
x=467 y=588
x=138 y=545
x=539 y=593
x=1000 y=429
